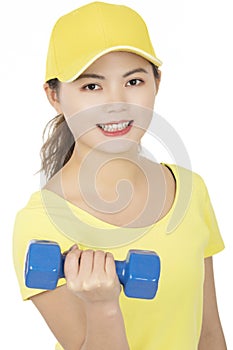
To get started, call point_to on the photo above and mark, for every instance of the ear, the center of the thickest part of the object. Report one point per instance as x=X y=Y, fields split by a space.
x=53 y=98
x=158 y=80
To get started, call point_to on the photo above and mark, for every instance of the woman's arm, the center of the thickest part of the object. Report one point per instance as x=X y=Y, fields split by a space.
x=212 y=337
x=85 y=313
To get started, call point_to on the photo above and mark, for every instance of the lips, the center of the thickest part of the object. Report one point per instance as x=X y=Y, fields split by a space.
x=116 y=128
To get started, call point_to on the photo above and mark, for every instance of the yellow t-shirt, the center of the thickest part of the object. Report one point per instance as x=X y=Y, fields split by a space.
x=182 y=239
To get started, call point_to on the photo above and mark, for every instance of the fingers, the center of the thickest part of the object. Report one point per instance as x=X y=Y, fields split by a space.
x=86 y=264
x=99 y=261
x=71 y=248
x=92 y=263
x=88 y=261
x=91 y=275
x=110 y=266
x=71 y=267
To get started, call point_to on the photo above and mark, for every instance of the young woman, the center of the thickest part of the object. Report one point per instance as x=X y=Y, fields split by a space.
x=102 y=198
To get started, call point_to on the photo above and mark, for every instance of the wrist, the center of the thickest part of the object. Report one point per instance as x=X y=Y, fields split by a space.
x=106 y=308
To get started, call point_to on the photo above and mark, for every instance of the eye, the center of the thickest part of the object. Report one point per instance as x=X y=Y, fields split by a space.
x=134 y=82
x=91 y=87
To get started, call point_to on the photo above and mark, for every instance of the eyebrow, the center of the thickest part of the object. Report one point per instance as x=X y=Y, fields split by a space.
x=101 y=77
x=137 y=70
x=91 y=75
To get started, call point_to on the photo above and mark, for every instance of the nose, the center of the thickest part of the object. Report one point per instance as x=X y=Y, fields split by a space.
x=115 y=100
x=115 y=107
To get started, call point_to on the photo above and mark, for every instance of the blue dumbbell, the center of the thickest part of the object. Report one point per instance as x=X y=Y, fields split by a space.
x=139 y=273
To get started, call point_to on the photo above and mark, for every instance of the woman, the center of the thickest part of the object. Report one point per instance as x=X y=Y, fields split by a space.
x=102 y=79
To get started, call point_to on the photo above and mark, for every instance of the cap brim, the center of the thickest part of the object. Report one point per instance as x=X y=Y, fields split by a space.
x=74 y=72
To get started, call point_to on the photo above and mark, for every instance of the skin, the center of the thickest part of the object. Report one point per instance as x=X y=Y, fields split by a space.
x=88 y=315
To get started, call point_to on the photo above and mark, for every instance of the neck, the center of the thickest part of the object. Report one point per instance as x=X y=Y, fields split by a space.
x=103 y=170
x=108 y=163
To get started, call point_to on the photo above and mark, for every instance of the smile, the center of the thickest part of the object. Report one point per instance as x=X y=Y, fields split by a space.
x=116 y=129
x=112 y=127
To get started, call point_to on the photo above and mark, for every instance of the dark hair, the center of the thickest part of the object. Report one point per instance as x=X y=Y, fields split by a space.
x=59 y=144
x=58 y=141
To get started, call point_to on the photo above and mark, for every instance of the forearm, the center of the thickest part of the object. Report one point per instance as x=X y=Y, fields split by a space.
x=212 y=341
x=105 y=327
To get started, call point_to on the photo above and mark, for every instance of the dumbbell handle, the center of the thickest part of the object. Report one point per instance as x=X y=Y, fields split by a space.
x=120 y=269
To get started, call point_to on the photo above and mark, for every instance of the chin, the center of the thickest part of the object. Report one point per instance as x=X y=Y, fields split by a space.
x=117 y=146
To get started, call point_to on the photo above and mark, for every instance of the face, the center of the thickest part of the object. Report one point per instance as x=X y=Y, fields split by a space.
x=110 y=106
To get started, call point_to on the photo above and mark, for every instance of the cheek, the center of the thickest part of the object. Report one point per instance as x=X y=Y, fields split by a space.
x=150 y=96
x=70 y=102
x=81 y=123
x=142 y=115
x=145 y=97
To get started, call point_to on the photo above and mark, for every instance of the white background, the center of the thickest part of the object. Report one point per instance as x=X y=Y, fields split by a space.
x=194 y=40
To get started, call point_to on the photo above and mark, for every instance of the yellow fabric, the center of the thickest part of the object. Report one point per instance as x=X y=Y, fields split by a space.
x=171 y=321
x=85 y=34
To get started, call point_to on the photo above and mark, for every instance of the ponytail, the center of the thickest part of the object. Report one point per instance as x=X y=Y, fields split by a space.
x=58 y=144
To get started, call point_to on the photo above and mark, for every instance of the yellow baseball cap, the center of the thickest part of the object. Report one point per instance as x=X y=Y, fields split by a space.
x=87 y=33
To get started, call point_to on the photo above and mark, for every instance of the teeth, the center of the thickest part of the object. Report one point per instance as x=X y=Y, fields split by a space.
x=114 y=127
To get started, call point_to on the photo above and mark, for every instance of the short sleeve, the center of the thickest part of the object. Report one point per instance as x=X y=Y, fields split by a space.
x=24 y=224
x=33 y=223
x=215 y=241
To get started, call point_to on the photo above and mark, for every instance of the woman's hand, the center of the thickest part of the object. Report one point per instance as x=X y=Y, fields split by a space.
x=88 y=309
x=91 y=275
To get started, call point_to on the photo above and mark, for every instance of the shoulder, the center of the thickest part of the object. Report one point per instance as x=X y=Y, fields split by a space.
x=190 y=196
x=27 y=218
x=35 y=211
x=33 y=202
x=191 y=188
x=183 y=176
x=187 y=178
